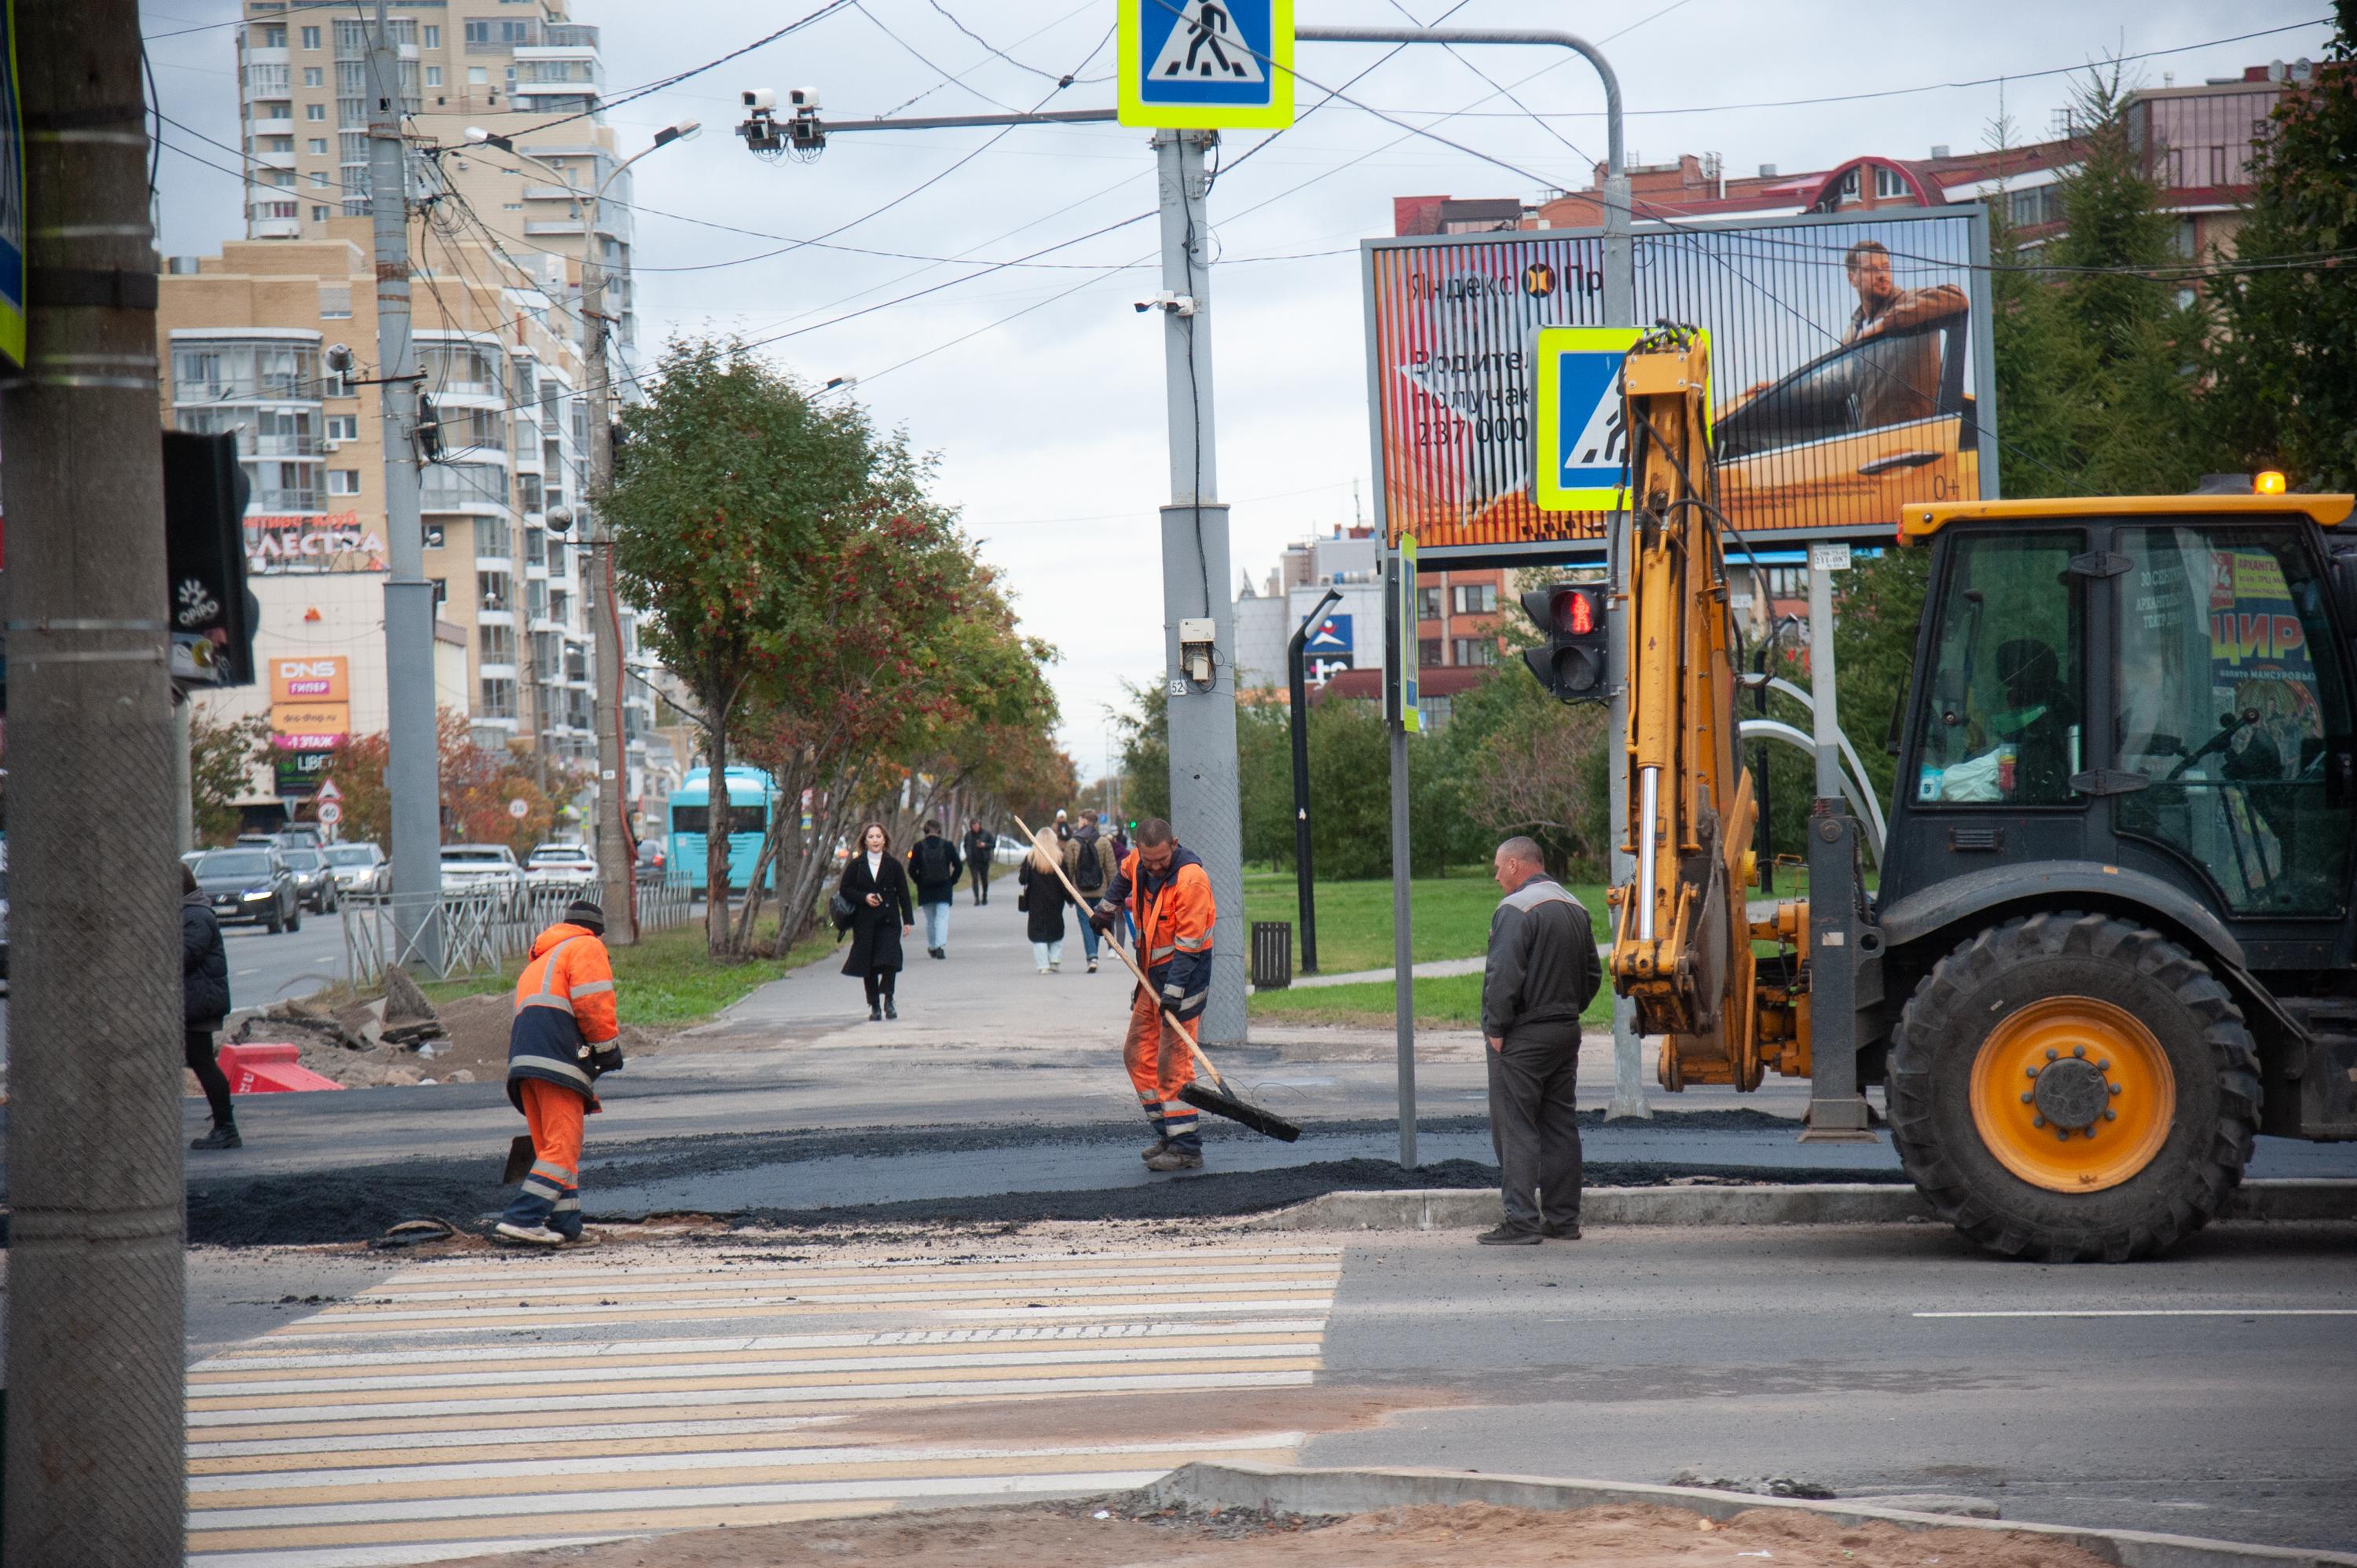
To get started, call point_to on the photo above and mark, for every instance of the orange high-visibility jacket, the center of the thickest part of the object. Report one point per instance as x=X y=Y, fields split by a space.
x=1175 y=914
x=565 y=1030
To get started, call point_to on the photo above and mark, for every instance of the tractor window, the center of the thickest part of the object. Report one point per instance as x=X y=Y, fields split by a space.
x=2224 y=707
x=2002 y=712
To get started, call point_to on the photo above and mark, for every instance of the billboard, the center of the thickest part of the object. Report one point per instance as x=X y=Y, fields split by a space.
x=313 y=542
x=1850 y=363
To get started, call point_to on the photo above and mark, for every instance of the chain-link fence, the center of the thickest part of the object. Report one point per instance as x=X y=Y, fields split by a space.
x=483 y=929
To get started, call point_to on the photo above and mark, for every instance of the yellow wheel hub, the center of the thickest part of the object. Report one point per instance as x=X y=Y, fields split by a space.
x=2073 y=1094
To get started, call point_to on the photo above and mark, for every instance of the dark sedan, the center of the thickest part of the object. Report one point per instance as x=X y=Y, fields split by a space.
x=250 y=886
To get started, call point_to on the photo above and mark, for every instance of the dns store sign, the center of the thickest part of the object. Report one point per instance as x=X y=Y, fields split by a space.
x=310 y=702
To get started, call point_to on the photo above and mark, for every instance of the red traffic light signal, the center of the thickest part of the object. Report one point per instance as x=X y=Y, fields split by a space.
x=1572 y=664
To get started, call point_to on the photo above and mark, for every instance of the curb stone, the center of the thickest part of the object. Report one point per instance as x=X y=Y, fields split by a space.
x=1822 y=1203
x=1235 y=1484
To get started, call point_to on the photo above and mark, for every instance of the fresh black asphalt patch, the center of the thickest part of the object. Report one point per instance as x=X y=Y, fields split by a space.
x=358 y=1203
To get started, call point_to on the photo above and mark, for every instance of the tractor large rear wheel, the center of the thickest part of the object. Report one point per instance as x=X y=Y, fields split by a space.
x=2073 y=1086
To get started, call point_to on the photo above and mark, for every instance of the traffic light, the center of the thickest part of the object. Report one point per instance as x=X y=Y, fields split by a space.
x=1571 y=618
x=213 y=613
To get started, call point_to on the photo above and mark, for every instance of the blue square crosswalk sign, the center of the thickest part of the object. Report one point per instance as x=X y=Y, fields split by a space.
x=1581 y=444
x=1206 y=64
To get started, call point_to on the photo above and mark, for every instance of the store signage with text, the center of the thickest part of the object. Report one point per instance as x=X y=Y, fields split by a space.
x=309 y=726
x=310 y=678
x=336 y=542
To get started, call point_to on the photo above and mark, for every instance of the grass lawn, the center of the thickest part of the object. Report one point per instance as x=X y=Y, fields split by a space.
x=1442 y=1001
x=666 y=979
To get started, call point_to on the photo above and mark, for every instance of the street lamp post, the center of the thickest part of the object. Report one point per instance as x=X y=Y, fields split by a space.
x=613 y=839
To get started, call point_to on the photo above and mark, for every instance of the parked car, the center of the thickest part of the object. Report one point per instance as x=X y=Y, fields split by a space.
x=481 y=868
x=251 y=885
x=359 y=869
x=315 y=884
x=560 y=865
x=303 y=835
x=651 y=857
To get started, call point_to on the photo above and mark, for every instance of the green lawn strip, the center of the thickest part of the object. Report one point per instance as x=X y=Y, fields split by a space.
x=1442 y=1001
x=1449 y=917
x=666 y=979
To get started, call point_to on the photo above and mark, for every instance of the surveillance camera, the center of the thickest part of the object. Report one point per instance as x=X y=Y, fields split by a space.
x=805 y=98
x=1155 y=302
x=761 y=99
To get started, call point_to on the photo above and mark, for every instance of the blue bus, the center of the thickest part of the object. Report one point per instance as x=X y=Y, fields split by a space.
x=752 y=796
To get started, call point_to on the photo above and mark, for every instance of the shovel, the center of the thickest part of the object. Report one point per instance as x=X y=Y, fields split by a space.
x=1216 y=1099
x=520 y=1158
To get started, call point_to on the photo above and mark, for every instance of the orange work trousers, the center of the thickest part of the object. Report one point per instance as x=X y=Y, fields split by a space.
x=1159 y=1067
x=551 y=1195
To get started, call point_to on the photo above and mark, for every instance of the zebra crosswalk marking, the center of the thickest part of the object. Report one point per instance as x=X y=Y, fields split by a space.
x=345 y=1441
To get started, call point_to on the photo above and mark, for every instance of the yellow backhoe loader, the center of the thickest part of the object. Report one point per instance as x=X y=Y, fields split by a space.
x=2113 y=936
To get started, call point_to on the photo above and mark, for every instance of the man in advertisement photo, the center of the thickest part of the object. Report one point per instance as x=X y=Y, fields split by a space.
x=1905 y=384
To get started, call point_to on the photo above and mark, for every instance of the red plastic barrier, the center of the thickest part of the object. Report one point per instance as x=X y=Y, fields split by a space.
x=260 y=1068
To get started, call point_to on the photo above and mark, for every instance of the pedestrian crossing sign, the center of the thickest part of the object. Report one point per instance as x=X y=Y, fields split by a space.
x=1580 y=445
x=1206 y=65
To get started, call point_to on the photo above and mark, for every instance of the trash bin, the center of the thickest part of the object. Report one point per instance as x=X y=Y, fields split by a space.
x=1272 y=955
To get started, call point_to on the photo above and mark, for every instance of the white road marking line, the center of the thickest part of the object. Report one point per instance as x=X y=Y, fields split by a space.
x=512 y=1321
x=225 y=1487
x=246 y=1361
x=456 y=1290
x=1221 y=1257
x=2162 y=1312
x=376 y=1311
x=753 y=1366
x=513 y=1507
x=393 y=1556
x=492 y=1436
x=822 y=1393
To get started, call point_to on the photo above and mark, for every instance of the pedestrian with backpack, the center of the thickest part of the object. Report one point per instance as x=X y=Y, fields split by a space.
x=980 y=844
x=933 y=867
x=1089 y=862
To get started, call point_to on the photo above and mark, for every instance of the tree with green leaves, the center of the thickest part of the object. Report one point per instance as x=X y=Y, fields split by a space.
x=2286 y=361
x=730 y=480
x=223 y=756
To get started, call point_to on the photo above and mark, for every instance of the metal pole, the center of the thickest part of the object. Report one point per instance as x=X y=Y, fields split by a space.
x=1202 y=715
x=414 y=768
x=1825 y=725
x=1295 y=656
x=184 y=784
x=95 y=1421
x=1402 y=965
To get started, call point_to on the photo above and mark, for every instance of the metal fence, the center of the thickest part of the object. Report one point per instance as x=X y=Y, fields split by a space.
x=483 y=929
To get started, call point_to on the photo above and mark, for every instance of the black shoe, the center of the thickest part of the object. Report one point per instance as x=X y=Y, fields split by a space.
x=876 y=1012
x=1561 y=1233
x=1507 y=1236
x=222 y=1136
x=890 y=1011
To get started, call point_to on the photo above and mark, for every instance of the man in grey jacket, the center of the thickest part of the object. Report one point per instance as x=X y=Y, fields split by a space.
x=1542 y=969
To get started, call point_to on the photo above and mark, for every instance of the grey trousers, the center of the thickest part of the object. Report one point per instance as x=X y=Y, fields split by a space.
x=1535 y=1127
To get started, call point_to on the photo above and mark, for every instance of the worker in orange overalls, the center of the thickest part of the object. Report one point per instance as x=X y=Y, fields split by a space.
x=1169 y=894
x=564 y=1037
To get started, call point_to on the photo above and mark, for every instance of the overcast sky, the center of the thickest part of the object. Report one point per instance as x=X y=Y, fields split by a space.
x=1050 y=426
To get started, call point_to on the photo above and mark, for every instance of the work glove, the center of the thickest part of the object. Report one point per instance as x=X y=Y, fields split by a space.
x=604 y=1058
x=1103 y=917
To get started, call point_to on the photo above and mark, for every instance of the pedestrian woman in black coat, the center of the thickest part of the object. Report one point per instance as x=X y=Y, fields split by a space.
x=204 y=1003
x=874 y=886
x=1043 y=908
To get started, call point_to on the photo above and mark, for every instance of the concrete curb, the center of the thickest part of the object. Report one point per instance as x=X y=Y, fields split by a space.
x=1826 y=1203
x=1228 y=1485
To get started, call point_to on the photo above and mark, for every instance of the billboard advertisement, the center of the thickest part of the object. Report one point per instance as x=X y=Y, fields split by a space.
x=1850 y=363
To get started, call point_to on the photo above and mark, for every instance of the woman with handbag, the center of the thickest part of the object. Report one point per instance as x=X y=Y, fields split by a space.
x=1042 y=902
x=871 y=902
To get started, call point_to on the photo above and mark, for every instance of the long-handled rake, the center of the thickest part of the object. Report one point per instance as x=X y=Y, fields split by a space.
x=1215 y=1098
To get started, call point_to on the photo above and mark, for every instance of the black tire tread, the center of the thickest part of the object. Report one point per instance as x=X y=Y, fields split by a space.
x=2195 y=1192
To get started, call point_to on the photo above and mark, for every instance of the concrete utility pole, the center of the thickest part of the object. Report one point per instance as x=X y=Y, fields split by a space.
x=1195 y=577
x=615 y=867
x=414 y=768
x=96 y=1419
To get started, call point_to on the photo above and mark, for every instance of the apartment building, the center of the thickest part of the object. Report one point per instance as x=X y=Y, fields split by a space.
x=245 y=340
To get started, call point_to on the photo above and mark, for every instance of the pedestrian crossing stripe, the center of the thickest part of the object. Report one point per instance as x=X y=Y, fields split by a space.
x=1205 y=64
x=346 y=1440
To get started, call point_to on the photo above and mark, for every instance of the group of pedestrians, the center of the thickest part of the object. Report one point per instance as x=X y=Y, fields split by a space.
x=1090 y=860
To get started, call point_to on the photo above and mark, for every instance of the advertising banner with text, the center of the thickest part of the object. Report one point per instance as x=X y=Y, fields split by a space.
x=1850 y=363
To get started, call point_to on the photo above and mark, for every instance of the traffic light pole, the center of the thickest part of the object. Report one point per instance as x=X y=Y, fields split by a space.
x=96 y=1466
x=414 y=768
x=1295 y=658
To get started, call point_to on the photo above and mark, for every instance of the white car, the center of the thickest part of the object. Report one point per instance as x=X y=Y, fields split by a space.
x=481 y=868
x=359 y=869
x=560 y=865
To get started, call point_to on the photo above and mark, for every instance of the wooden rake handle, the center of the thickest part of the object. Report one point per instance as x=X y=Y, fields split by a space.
x=1040 y=843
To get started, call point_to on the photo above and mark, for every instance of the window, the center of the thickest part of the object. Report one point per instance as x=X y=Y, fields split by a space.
x=1427 y=652
x=1476 y=651
x=310 y=38
x=1849 y=185
x=322 y=214
x=492 y=539
x=1890 y=185
x=317 y=147
x=265 y=81
x=433 y=76
x=335 y=299
x=496 y=644
x=284 y=176
x=343 y=427
x=478 y=32
x=528 y=493
x=1428 y=605
x=2032 y=207
x=343 y=482
x=2002 y=711
x=476 y=75
x=314 y=76
x=559 y=608
x=1475 y=600
x=498 y=698
x=491 y=590
x=2244 y=733
x=433 y=35
x=275 y=36
x=535 y=547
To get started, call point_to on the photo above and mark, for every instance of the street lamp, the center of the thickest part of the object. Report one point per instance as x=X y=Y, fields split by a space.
x=614 y=857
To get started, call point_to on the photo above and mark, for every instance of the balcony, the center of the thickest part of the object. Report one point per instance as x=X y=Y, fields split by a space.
x=276 y=227
x=275 y=159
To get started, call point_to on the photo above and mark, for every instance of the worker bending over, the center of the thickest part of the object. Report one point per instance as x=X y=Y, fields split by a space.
x=1168 y=893
x=564 y=1037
